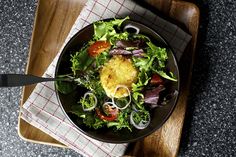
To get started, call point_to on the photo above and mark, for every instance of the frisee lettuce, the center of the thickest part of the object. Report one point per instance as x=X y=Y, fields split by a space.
x=138 y=97
x=141 y=116
x=122 y=121
x=105 y=31
x=86 y=72
x=92 y=84
x=88 y=101
x=101 y=59
x=154 y=60
x=88 y=118
x=81 y=60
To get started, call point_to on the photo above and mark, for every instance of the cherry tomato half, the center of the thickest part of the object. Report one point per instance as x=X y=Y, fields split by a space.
x=98 y=47
x=156 y=79
x=104 y=117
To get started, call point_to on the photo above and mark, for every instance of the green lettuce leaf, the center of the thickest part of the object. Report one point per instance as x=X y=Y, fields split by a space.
x=105 y=30
x=87 y=102
x=153 y=61
x=89 y=119
x=65 y=87
x=158 y=54
x=142 y=115
x=81 y=60
x=164 y=75
x=137 y=96
x=101 y=59
x=118 y=36
x=143 y=80
x=122 y=121
x=92 y=84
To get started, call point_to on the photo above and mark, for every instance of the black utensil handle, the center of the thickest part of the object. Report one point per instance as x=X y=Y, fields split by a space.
x=13 y=80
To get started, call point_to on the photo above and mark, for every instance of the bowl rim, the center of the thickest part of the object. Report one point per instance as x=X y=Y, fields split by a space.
x=157 y=126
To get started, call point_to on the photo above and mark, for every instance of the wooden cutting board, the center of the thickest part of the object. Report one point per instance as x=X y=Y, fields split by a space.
x=53 y=21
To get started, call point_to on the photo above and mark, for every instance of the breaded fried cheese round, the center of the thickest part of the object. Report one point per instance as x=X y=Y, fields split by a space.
x=117 y=71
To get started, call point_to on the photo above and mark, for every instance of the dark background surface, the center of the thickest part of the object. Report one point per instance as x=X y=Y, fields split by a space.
x=210 y=124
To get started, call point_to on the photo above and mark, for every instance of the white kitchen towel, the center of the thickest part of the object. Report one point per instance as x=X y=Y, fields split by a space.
x=42 y=109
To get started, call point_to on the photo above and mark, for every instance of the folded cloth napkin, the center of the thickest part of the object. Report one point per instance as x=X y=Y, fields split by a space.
x=42 y=109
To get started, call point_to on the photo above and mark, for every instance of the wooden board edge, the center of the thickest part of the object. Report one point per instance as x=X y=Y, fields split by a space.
x=195 y=37
x=35 y=141
x=192 y=47
x=19 y=125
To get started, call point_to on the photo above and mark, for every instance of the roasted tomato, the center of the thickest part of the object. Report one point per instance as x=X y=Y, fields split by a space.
x=156 y=80
x=105 y=117
x=98 y=47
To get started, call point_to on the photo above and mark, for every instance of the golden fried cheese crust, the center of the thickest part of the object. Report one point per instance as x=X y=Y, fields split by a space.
x=118 y=70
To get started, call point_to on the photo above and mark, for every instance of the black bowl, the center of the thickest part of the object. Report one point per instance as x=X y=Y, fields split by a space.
x=158 y=116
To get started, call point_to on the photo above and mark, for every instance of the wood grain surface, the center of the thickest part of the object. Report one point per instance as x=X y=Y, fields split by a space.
x=53 y=22
x=165 y=141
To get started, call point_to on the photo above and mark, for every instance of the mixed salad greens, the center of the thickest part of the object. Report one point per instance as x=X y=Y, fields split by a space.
x=118 y=106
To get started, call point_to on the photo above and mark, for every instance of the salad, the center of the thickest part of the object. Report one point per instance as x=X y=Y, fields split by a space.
x=124 y=75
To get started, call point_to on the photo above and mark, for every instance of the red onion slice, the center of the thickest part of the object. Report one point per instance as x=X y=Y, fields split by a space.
x=110 y=108
x=95 y=103
x=142 y=125
x=113 y=97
